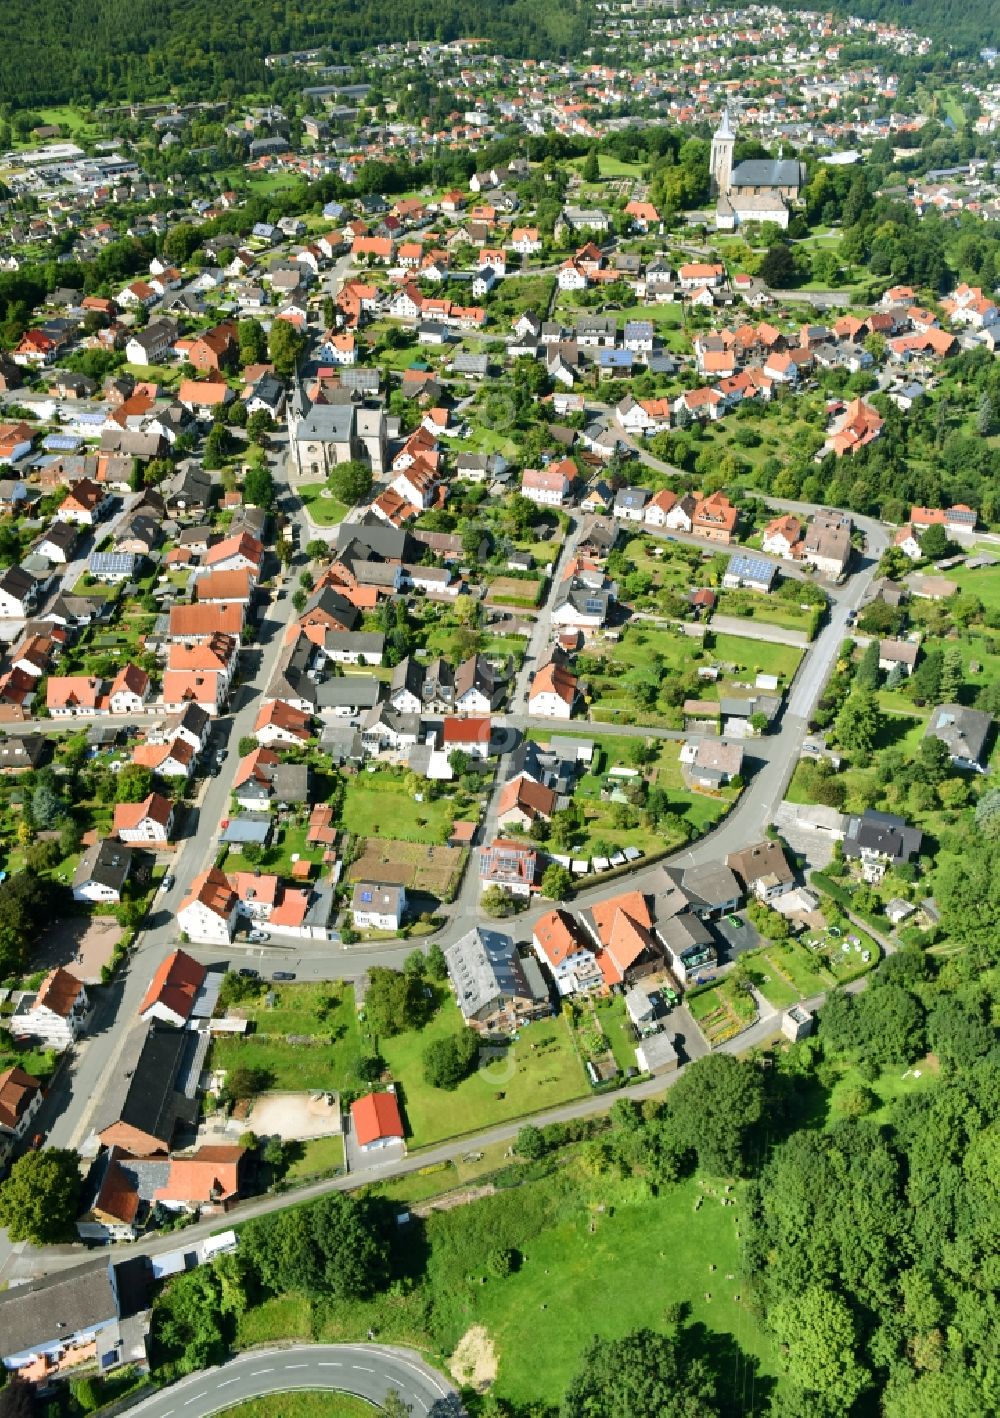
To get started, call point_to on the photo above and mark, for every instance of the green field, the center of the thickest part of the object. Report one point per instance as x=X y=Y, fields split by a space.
x=320 y=1155
x=539 y=1070
x=378 y=805
x=983 y=582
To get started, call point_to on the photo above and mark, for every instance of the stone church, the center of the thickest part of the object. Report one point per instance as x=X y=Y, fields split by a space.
x=756 y=190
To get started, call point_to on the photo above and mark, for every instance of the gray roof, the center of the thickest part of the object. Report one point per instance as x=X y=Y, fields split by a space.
x=142 y=1090
x=882 y=834
x=752 y=568
x=107 y=862
x=963 y=731
x=328 y=423
x=767 y=172
x=712 y=883
x=485 y=971
x=348 y=691
x=248 y=827
x=112 y=563
x=56 y=1307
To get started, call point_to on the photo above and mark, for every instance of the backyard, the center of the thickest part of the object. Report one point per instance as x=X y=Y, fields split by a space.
x=308 y=1039
x=721 y=1010
x=381 y=805
x=539 y=1069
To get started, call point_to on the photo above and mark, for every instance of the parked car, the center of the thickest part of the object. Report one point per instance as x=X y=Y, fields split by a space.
x=258 y=937
x=283 y=975
x=249 y=974
x=167 y=884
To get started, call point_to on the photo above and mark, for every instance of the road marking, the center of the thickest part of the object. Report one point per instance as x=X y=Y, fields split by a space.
x=257 y=1373
x=193 y=1399
x=362 y=1370
x=227 y=1383
x=329 y=1364
x=296 y=1366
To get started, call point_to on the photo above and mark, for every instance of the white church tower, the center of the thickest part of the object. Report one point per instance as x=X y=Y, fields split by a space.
x=721 y=161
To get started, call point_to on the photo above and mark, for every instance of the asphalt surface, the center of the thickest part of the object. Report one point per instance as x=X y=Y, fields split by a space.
x=369 y=1371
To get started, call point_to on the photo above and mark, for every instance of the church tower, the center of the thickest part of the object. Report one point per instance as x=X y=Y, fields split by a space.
x=721 y=161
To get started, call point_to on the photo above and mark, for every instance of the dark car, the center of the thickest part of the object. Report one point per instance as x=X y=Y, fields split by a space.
x=283 y=975
x=249 y=974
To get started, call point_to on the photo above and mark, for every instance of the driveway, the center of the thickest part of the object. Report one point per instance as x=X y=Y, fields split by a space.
x=734 y=940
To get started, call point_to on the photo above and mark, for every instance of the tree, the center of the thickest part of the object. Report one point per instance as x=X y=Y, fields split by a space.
x=393 y=1405
x=133 y=784
x=285 y=345
x=557 y=882
x=530 y=1143
x=39 y=1199
x=258 y=486
x=335 y=1247
x=317 y=548
x=217 y=447
x=395 y=1001
x=713 y=1109
x=496 y=902
x=47 y=807
x=934 y=542
x=867 y=674
x=259 y=425
x=967 y=889
x=448 y=1061
x=17 y=1398
x=778 y=268
x=952 y=674
x=817 y=1331
x=351 y=482
x=246 y=1082
x=988 y=814
x=857 y=724
x=437 y=965
x=638 y=1376
x=299 y=599
x=591 y=170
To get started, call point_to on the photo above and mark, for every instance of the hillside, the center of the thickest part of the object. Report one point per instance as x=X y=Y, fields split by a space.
x=95 y=51
x=963 y=24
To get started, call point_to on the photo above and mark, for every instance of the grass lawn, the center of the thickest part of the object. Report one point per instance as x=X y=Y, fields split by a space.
x=983 y=582
x=378 y=805
x=618 y=1031
x=287 y=843
x=610 y=1272
x=761 y=656
x=539 y=1070
x=769 y=610
x=302 y=1405
x=325 y=1012
x=785 y=972
x=319 y=1155
x=324 y=511
x=888 y=1087
x=721 y=1011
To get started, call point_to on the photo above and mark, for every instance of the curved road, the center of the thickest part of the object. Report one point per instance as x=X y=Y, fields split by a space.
x=368 y=1371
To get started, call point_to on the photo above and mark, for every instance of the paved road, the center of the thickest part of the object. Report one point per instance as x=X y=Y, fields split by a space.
x=369 y=1371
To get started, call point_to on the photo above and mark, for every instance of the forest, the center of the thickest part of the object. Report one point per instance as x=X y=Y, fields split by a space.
x=94 y=51
x=965 y=25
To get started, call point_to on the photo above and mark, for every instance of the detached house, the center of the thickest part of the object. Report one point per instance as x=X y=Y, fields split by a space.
x=209 y=910
x=561 y=945
x=20 y=1099
x=102 y=872
x=490 y=982
x=553 y=692
x=150 y=821
x=56 y=1015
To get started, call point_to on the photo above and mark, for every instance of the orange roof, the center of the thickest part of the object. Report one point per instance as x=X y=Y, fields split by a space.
x=202 y=391
x=533 y=799
x=633 y=903
x=321 y=827
x=130 y=677
x=240 y=544
x=283 y=716
x=175 y=984
x=473 y=730
x=213 y=654
x=156 y=807
x=64 y=691
x=118 y=1196
x=199 y=619
x=253 y=764
x=59 y=992
x=263 y=887
x=291 y=909
x=17 y=1089
x=376 y=1116
x=558 y=936
x=554 y=679
x=212 y=889
x=211 y=1174
x=152 y=755
x=225 y=585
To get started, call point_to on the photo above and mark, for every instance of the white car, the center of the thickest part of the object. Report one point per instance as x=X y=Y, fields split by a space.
x=258 y=937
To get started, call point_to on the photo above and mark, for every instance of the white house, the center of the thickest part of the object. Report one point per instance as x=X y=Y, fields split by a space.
x=20 y=1099
x=173 y=990
x=552 y=693
x=102 y=872
x=208 y=912
x=129 y=690
x=562 y=947
x=56 y=1016
x=149 y=821
x=377 y=907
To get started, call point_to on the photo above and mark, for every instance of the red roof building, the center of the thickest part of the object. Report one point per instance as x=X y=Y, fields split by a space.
x=376 y=1121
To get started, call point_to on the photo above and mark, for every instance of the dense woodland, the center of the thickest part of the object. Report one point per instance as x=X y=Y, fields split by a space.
x=964 y=24
x=98 y=50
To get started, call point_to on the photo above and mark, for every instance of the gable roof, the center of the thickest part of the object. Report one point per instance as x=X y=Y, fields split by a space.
x=375 y=1117
x=175 y=984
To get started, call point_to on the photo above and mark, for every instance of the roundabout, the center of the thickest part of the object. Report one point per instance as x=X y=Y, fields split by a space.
x=359 y=1371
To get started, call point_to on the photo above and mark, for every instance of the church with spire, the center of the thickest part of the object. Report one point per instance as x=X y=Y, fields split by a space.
x=755 y=190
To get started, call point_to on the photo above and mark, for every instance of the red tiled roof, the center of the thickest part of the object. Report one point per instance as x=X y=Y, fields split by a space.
x=376 y=1116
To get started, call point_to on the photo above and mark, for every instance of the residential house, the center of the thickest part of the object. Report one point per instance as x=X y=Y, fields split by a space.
x=523 y=802
x=491 y=983
x=763 y=870
x=21 y=1097
x=376 y=1121
x=513 y=866
x=561 y=945
x=903 y=653
x=150 y=1095
x=551 y=486
x=102 y=872
x=151 y=821
x=552 y=693
x=754 y=573
x=129 y=690
x=711 y=763
x=964 y=732
x=178 y=982
x=375 y=906
x=208 y=912
x=880 y=840
x=55 y=1015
